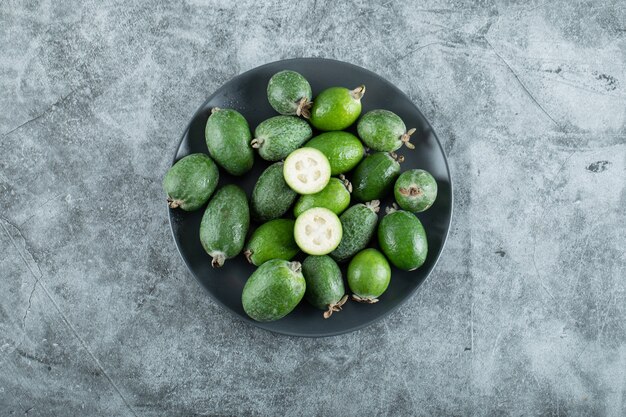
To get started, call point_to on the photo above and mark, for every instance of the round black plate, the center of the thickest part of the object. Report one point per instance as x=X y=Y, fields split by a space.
x=246 y=93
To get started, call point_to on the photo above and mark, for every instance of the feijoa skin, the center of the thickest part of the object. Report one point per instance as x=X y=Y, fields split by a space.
x=335 y=197
x=225 y=224
x=190 y=182
x=415 y=190
x=324 y=284
x=402 y=238
x=272 y=240
x=273 y=290
x=383 y=130
x=343 y=150
x=368 y=276
x=374 y=177
x=336 y=108
x=271 y=196
x=289 y=93
x=228 y=138
x=359 y=225
x=277 y=137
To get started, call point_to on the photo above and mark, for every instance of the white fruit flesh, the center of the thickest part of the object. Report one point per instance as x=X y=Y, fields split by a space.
x=318 y=231
x=306 y=171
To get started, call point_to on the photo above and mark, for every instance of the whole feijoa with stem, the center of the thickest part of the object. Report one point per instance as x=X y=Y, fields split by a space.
x=343 y=150
x=289 y=93
x=277 y=137
x=335 y=197
x=228 y=138
x=358 y=225
x=273 y=290
x=190 y=182
x=306 y=171
x=368 y=276
x=383 y=130
x=402 y=238
x=271 y=196
x=374 y=177
x=324 y=284
x=317 y=231
x=272 y=240
x=225 y=224
x=415 y=190
x=336 y=108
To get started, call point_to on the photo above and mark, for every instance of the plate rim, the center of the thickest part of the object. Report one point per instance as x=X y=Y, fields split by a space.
x=393 y=309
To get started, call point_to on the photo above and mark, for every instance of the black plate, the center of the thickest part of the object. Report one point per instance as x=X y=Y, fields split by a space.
x=246 y=93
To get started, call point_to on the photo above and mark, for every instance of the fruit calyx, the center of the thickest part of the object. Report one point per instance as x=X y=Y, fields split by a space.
x=406 y=137
x=257 y=143
x=393 y=208
x=412 y=191
x=174 y=203
x=335 y=307
x=346 y=183
x=364 y=300
x=399 y=158
x=304 y=108
x=373 y=205
x=358 y=92
x=248 y=254
x=218 y=259
x=215 y=109
x=295 y=266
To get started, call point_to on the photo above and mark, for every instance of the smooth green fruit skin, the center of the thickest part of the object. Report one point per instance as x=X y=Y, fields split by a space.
x=225 y=222
x=343 y=150
x=381 y=130
x=271 y=196
x=335 y=109
x=285 y=90
x=191 y=181
x=272 y=240
x=273 y=291
x=335 y=197
x=359 y=225
x=402 y=238
x=373 y=178
x=281 y=135
x=417 y=182
x=228 y=139
x=324 y=284
x=369 y=274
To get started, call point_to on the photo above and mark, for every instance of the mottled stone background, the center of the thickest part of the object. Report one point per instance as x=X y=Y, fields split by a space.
x=524 y=315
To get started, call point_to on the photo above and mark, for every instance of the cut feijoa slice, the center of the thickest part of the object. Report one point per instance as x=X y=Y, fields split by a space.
x=318 y=231
x=306 y=171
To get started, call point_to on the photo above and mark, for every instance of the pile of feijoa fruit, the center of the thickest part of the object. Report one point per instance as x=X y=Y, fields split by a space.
x=330 y=184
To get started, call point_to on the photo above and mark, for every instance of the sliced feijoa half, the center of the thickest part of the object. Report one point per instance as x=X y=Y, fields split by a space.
x=318 y=231
x=306 y=171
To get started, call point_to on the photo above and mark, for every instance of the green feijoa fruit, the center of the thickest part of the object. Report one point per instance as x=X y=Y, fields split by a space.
x=273 y=290
x=343 y=150
x=190 y=182
x=336 y=108
x=307 y=171
x=271 y=197
x=277 y=137
x=228 y=137
x=368 y=276
x=415 y=190
x=324 y=284
x=290 y=93
x=335 y=197
x=272 y=240
x=374 y=177
x=358 y=224
x=383 y=130
x=225 y=224
x=402 y=238
x=317 y=231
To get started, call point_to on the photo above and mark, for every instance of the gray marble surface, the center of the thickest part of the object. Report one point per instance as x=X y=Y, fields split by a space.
x=524 y=315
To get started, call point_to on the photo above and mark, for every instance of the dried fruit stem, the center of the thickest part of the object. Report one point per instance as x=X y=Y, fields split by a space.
x=394 y=207
x=173 y=203
x=248 y=254
x=304 y=108
x=218 y=259
x=215 y=109
x=406 y=137
x=397 y=157
x=256 y=143
x=373 y=205
x=346 y=183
